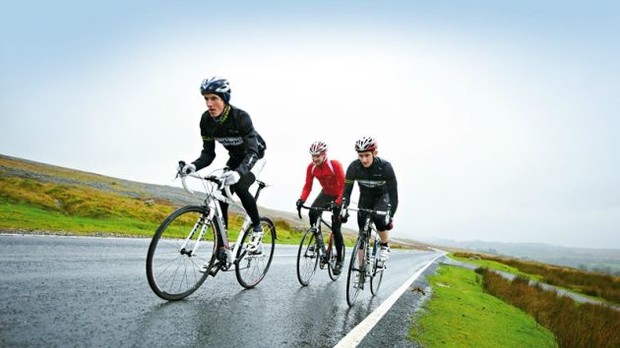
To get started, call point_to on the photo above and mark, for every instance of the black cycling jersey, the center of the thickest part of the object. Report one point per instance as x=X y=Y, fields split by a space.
x=374 y=182
x=235 y=131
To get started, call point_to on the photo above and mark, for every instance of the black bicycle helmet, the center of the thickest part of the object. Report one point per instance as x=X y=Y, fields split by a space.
x=216 y=85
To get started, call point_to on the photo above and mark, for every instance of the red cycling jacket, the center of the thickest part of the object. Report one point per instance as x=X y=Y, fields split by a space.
x=331 y=177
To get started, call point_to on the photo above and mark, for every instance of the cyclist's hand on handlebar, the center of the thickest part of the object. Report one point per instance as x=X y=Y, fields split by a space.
x=185 y=168
x=299 y=203
x=344 y=212
x=344 y=215
x=332 y=206
x=230 y=177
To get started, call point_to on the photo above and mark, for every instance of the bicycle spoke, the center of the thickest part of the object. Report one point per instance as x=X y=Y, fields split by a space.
x=173 y=274
x=252 y=267
x=333 y=259
x=378 y=268
x=307 y=257
x=356 y=275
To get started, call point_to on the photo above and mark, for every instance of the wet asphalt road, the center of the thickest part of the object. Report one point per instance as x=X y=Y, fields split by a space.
x=92 y=292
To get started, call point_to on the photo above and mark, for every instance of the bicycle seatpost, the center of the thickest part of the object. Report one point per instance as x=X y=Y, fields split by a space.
x=261 y=186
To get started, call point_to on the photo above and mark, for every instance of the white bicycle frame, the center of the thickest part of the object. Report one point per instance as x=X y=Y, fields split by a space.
x=213 y=195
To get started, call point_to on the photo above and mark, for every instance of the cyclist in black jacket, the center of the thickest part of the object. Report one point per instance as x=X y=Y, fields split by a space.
x=233 y=128
x=378 y=189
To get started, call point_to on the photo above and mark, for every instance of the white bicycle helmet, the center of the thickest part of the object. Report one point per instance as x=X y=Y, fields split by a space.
x=216 y=85
x=365 y=144
x=318 y=147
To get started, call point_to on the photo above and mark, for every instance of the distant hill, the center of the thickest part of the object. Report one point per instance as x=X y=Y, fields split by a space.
x=598 y=260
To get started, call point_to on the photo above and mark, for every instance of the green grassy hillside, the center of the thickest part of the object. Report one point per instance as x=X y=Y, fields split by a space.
x=42 y=198
x=36 y=197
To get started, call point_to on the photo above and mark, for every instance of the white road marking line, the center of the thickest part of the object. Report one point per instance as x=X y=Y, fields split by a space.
x=355 y=336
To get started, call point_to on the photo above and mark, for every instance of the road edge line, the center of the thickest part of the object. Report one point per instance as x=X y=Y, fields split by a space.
x=357 y=334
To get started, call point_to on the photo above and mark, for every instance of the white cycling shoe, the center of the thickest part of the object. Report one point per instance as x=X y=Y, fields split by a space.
x=384 y=253
x=255 y=240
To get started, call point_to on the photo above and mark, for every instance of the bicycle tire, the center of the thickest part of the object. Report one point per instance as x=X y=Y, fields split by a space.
x=332 y=255
x=251 y=268
x=307 y=257
x=377 y=272
x=174 y=273
x=356 y=274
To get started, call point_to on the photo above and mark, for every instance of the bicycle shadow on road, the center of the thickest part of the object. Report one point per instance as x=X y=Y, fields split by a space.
x=202 y=317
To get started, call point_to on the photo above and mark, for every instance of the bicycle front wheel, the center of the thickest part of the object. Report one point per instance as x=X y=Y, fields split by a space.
x=178 y=250
x=307 y=257
x=378 y=268
x=357 y=273
x=251 y=267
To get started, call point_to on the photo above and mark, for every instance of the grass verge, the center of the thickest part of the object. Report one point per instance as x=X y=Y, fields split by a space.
x=574 y=325
x=461 y=314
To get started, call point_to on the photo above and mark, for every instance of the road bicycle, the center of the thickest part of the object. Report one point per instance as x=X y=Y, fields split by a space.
x=365 y=266
x=313 y=252
x=188 y=239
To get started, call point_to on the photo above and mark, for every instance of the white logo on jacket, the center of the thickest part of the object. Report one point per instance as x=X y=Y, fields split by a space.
x=371 y=183
x=230 y=141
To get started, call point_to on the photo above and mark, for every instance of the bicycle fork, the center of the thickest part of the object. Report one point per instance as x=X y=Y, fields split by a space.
x=370 y=266
x=202 y=224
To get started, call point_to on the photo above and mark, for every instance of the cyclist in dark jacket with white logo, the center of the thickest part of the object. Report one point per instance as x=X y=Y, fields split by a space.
x=233 y=128
x=378 y=189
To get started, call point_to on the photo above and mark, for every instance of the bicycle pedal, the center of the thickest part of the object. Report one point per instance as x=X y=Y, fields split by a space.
x=212 y=271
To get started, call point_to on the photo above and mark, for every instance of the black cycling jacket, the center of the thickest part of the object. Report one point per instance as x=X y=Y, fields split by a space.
x=374 y=182
x=236 y=133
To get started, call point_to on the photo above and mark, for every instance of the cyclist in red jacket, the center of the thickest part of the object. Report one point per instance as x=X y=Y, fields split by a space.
x=330 y=175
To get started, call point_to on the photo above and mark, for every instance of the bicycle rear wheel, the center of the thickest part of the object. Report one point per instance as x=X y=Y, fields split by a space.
x=357 y=273
x=307 y=257
x=332 y=256
x=173 y=262
x=378 y=268
x=251 y=267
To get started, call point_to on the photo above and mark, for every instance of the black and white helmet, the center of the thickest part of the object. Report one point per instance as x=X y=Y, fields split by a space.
x=365 y=144
x=318 y=147
x=216 y=85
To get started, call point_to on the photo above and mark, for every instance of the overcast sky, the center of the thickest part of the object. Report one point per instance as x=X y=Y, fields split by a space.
x=501 y=119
